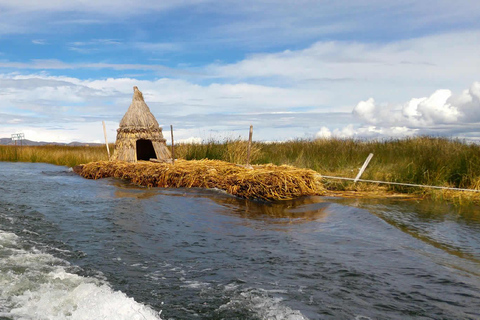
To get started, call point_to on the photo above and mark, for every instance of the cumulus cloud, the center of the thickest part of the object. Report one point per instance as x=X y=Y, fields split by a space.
x=192 y=140
x=323 y=133
x=441 y=113
x=272 y=91
x=172 y=95
x=365 y=132
x=425 y=57
x=346 y=132
x=47 y=105
x=441 y=107
x=386 y=71
x=326 y=69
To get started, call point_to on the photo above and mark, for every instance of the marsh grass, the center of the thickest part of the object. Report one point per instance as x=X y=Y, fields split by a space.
x=230 y=150
x=420 y=160
x=58 y=155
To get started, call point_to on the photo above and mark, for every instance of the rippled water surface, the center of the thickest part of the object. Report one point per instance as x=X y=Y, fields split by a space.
x=72 y=248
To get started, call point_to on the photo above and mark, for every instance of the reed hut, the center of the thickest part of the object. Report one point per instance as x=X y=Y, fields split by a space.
x=139 y=136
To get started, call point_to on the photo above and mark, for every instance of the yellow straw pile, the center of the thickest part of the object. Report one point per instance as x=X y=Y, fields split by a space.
x=267 y=182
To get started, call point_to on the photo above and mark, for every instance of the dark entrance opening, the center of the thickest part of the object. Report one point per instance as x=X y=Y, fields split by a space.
x=145 y=150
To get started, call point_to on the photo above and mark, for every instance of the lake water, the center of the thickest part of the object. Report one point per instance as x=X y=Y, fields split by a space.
x=72 y=248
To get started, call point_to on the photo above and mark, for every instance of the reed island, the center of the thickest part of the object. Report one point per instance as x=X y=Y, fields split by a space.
x=279 y=170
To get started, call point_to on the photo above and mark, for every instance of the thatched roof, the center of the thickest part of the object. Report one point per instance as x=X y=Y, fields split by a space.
x=138 y=114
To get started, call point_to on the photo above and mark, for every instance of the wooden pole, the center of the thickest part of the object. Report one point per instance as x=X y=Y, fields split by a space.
x=249 y=144
x=365 y=164
x=173 y=145
x=106 y=141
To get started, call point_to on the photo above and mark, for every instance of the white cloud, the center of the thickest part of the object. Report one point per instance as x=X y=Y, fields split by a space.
x=435 y=108
x=115 y=45
x=323 y=133
x=444 y=59
x=93 y=6
x=442 y=113
x=64 y=133
x=327 y=76
x=325 y=71
x=39 y=41
x=442 y=107
x=367 y=110
x=157 y=47
x=49 y=104
x=346 y=132
x=365 y=132
x=182 y=97
x=468 y=102
x=347 y=71
x=192 y=140
x=425 y=57
x=249 y=23
x=53 y=64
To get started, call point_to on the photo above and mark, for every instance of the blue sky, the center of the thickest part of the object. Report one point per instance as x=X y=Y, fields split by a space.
x=293 y=69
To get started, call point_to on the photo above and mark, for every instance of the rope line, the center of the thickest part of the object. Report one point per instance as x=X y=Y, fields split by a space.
x=401 y=184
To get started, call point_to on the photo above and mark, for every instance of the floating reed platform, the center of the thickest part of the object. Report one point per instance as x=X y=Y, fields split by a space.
x=266 y=182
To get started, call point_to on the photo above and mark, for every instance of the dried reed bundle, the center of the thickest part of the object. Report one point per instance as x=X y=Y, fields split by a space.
x=267 y=182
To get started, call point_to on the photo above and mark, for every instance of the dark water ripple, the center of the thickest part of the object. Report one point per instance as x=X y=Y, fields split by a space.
x=204 y=254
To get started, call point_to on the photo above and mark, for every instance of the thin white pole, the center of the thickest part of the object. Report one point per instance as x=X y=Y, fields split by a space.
x=365 y=164
x=106 y=141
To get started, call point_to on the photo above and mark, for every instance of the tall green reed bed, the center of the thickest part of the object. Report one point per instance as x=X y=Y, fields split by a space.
x=420 y=160
x=59 y=155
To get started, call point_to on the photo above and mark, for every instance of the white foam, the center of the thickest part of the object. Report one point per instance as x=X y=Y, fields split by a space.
x=35 y=285
x=195 y=284
x=264 y=306
x=30 y=232
x=8 y=238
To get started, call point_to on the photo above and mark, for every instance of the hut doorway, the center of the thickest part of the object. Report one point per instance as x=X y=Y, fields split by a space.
x=145 y=150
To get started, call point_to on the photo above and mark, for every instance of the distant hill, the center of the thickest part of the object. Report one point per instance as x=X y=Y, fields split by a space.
x=9 y=142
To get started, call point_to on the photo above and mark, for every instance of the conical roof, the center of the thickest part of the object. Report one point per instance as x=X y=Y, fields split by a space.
x=138 y=114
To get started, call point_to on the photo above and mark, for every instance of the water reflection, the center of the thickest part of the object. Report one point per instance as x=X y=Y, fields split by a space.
x=452 y=229
x=299 y=210
x=124 y=189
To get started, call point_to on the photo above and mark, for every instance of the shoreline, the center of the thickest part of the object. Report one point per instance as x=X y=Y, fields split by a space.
x=360 y=191
x=456 y=163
